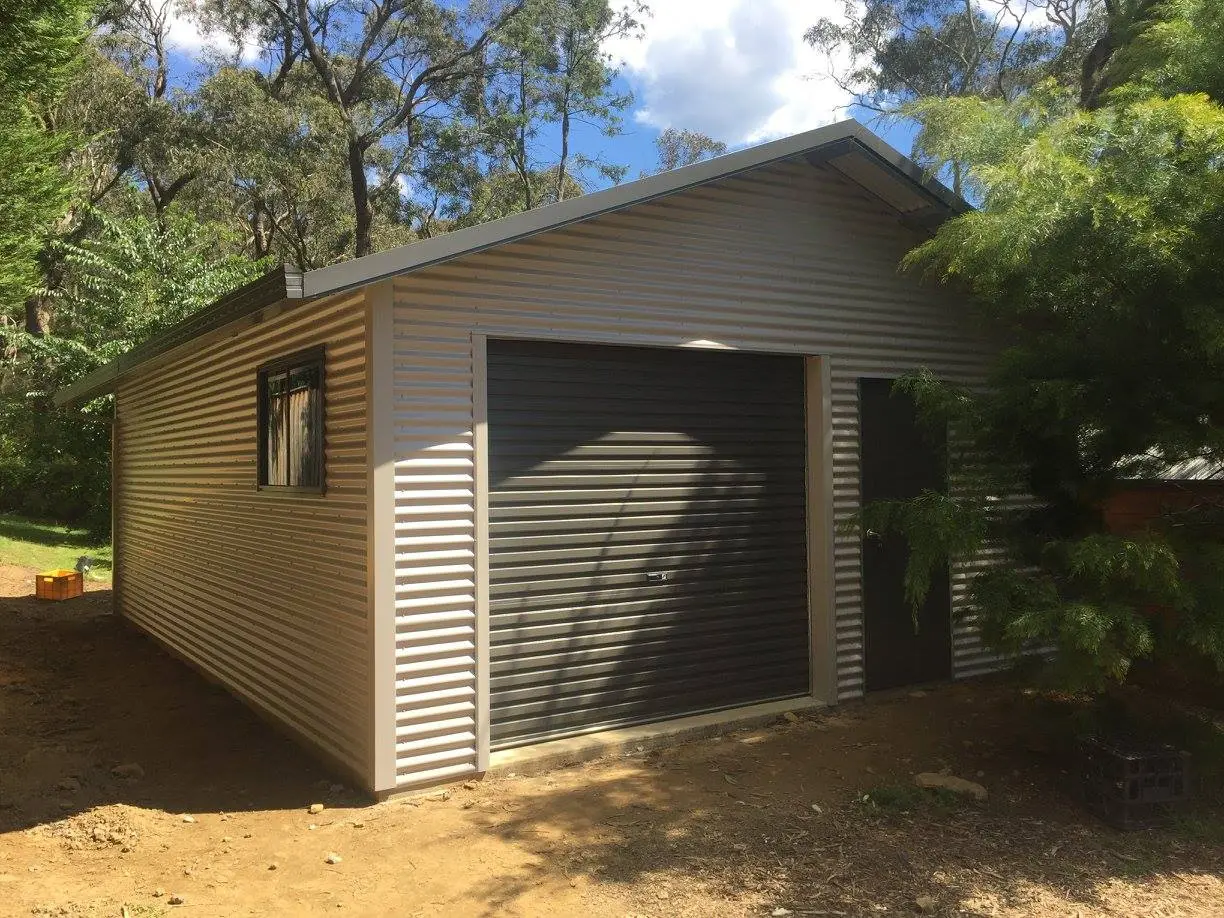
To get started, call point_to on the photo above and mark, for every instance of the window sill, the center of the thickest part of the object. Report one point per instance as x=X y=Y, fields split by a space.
x=291 y=489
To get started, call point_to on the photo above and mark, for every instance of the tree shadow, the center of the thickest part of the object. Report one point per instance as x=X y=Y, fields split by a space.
x=81 y=693
x=734 y=824
x=52 y=535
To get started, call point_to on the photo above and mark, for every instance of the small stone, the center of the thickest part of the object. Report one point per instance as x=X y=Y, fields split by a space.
x=158 y=893
x=780 y=912
x=131 y=770
x=817 y=810
x=358 y=825
x=311 y=827
x=918 y=693
x=956 y=785
x=273 y=865
x=471 y=785
x=226 y=839
x=69 y=785
x=333 y=858
x=926 y=904
x=99 y=834
x=187 y=817
x=314 y=809
x=115 y=838
x=175 y=900
x=791 y=717
x=663 y=894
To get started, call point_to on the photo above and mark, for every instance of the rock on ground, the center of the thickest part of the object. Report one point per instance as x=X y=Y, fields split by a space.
x=933 y=781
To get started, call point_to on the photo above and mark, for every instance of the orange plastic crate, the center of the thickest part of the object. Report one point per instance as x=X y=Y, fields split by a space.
x=59 y=584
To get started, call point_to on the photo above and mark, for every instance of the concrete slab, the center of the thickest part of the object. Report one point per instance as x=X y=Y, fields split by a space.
x=573 y=750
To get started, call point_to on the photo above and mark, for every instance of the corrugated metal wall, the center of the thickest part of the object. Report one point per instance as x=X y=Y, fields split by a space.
x=789 y=259
x=264 y=591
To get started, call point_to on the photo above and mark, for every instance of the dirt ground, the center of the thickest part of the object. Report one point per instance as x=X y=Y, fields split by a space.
x=770 y=821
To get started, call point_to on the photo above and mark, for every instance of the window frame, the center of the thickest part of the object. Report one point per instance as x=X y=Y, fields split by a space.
x=308 y=358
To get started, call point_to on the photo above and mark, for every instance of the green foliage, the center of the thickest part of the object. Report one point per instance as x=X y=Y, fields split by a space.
x=908 y=798
x=678 y=148
x=1093 y=259
x=891 y=53
x=39 y=40
x=134 y=277
x=938 y=527
x=123 y=285
x=1178 y=51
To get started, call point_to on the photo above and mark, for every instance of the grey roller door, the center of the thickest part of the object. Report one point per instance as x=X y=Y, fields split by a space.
x=647 y=535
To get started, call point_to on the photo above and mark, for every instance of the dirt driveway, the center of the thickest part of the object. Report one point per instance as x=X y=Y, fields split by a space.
x=764 y=822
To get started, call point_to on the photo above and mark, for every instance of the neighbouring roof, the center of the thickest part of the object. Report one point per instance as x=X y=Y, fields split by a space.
x=847 y=147
x=1199 y=468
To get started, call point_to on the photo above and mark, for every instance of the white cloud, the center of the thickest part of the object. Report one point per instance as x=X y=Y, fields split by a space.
x=185 y=36
x=737 y=70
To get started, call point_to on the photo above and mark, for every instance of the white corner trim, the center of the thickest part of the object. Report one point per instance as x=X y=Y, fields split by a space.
x=380 y=510
x=480 y=430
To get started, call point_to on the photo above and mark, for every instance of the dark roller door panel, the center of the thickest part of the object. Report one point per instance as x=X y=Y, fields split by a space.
x=647 y=535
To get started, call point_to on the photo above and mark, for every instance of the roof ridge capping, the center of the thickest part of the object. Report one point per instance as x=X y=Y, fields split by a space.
x=847 y=146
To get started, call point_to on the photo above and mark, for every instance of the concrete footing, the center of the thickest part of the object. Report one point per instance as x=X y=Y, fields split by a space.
x=573 y=750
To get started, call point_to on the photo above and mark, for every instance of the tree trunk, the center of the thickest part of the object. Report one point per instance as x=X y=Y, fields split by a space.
x=521 y=156
x=35 y=316
x=260 y=233
x=363 y=212
x=565 y=132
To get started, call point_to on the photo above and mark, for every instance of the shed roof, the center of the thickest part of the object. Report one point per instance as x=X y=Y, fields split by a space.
x=847 y=147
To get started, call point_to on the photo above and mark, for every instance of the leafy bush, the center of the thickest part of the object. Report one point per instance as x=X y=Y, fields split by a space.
x=128 y=282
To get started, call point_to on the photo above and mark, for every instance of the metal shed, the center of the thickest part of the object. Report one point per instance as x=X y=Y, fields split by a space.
x=579 y=468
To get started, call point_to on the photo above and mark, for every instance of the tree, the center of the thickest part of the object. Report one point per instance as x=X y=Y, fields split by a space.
x=39 y=43
x=547 y=73
x=127 y=123
x=1094 y=258
x=396 y=72
x=894 y=52
x=129 y=279
x=276 y=169
x=678 y=148
x=581 y=80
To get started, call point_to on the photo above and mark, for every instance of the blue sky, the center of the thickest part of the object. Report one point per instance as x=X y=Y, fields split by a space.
x=737 y=70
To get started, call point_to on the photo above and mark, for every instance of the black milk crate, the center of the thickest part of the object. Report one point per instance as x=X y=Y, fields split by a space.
x=1131 y=784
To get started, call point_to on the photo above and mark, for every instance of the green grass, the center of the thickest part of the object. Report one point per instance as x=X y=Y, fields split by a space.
x=905 y=798
x=43 y=546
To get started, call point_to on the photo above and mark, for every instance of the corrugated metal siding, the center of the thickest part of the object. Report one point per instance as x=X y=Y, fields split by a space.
x=264 y=591
x=789 y=259
x=648 y=540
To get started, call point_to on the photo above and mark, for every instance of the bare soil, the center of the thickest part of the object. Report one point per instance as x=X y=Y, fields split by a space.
x=771 y=821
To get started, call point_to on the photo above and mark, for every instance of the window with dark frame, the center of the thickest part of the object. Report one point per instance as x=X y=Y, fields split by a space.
x=291 y=422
